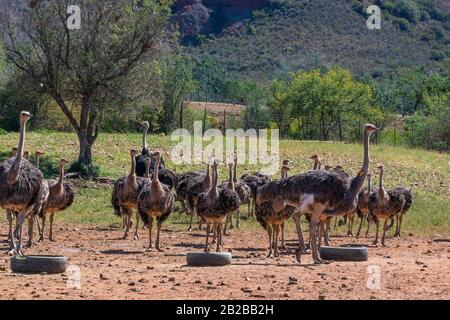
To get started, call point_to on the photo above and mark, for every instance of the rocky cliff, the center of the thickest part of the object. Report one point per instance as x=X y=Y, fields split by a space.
x=211 y=16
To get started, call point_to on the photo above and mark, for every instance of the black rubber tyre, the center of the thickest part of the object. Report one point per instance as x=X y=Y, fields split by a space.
x=38 y=264
x=344 y=253
x=214 y=259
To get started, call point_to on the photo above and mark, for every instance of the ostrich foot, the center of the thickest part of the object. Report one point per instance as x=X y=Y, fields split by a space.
x=29 y=244
x=149 y=249
x=189 y=229
x=226 y=233
x=41 y=238
x=52 y=239
x=321 y=261
x=124 y=237
x=160 y=249
x=298 y=255
x=270 y=254
x=136 y=236
x=207 y=248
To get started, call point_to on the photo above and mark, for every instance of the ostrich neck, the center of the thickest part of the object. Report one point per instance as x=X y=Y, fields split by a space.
x=316 y=164
x=357 y=182
x=147 y=169
x=368 y=187
x=156 y=184
x=61 y=178
x=13 y=173
x=132 y=175
x=381 y=191
x=207 y=180
x=37 y=162
x=144 y=140
x=234 y=171
x=230 y=179
x=212 y=193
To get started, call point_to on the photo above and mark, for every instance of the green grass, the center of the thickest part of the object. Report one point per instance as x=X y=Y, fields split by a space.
x=427 y=172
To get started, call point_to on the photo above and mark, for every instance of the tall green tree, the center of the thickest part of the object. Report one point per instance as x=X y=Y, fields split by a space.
x=89 y=71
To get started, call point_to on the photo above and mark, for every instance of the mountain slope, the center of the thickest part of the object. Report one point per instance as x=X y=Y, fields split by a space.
x=288 y=35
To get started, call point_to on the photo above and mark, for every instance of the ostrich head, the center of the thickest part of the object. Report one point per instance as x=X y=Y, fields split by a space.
x=380 y=168
x=26 y=155
x=25 y=116
x=314 y=157
x=63 y=162
x=145 y=126
x=328 y=167
x=370 y=128
x=286 y=162
x=133 y=152
x=39 y=153
x=14 y=151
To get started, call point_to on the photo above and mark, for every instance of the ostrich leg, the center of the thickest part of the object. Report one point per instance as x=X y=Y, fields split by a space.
x=269 y=232
x=12 y=248
x=20 y=226
x=227 y=219
x=400 y=219
x=238 y=219
x=301 y=241
x=191 y=212
x=136 y=235
x=276 y=235
x=208 y=227
x=385 y=227
x=50 y=236
x=41 y=232
x=30 y=231
x=283 y=245
x=150 y=227
x=377 y=222
x=158 y=244
x=361 y=220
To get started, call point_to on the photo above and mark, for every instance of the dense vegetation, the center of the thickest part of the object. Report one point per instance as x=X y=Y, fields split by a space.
x=310 y=68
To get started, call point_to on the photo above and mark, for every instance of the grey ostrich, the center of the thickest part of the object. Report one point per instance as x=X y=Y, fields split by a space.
x=214 y=205
x=362 y=209
x=61 y=196
x=125 y=194
x=385 y=205
x=195 y=187
x=155 y=201
x=253 y=182
x=408 y=203
x=318 y=193
x=182 y=185
x=21 y=188
x=244 y=193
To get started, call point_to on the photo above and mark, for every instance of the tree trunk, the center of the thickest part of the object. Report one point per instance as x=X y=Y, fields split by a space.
x=85 y=154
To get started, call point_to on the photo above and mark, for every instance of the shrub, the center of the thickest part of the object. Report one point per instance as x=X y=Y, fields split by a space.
x=402 y=24
x=437 y=55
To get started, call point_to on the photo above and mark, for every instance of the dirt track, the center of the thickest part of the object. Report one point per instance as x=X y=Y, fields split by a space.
x=411 y=268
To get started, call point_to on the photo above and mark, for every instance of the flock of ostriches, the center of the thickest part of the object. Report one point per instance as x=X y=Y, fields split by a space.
x=151 y=190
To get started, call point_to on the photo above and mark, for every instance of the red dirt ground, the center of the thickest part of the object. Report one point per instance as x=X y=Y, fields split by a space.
x=411 y=268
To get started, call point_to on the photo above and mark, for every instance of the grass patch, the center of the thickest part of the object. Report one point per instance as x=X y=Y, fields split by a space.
x=428 y=173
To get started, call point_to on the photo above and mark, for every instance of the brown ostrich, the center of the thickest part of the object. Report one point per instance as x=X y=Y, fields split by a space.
x=272 y=214
x=61 y=196
x=317 y=162
x=197 y=185
x=125 y=194
x=385 y=205
x=254 y=181
x=26 y=155
x=155 y=201
x=214 y=205
x=14 y=151
x=182 y=185
x=319 y=193
x=244 y=193
x=21 y=188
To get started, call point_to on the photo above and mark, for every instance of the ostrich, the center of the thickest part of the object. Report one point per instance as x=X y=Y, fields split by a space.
x=253 y=182
x=215 y=204
x=125 y=194
x=61 y=196
x=14 y=151
x=21 y=188
x=408 y=203
x=272 y=214
x=26 y=155
x=317 y=162
x=197 y=185
x=155 y=201
x=363 y=210
x=145 y=153
x=182 y=185
x=385 y=205
x=318 y=193
x=244 y=193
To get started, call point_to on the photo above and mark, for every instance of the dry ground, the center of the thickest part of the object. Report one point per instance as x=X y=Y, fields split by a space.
x=411 y=268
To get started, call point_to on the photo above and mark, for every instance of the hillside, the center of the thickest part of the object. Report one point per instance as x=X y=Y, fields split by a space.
x=263 y=39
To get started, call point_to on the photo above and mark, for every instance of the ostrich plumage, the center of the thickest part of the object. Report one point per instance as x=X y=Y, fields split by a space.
x=254 y=181
x=155 y=201
x=145 y=153
x=385 y=204
x=214 y=205
x=61 y=196
x=196 y=186
x=362 y=209
x=125 y=196
x=319 y=193
x=408 y=203
x=22 y=188
x=183 y=182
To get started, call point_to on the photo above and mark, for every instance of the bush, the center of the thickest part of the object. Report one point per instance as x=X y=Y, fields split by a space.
x=358 y=7
x=3 y=132
x=437 y=55
x=402 y=24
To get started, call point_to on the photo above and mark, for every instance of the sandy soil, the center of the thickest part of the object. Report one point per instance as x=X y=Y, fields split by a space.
x=411 y=268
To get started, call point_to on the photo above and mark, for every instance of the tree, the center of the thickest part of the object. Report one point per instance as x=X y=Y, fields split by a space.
x=178 y=84
x=90 y=71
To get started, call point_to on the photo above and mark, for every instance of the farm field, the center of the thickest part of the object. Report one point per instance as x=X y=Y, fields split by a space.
x=88 y=234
